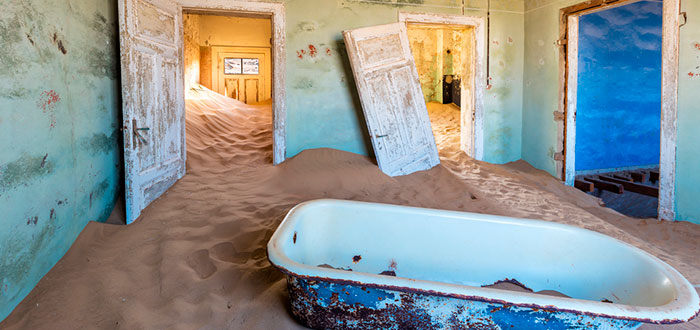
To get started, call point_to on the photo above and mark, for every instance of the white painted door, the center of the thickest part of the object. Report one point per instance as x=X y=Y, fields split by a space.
x=153 y=99
x=392 y=100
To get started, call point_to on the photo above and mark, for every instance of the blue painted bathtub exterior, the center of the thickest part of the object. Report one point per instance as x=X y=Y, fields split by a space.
x=327 y=305
x=354 y=265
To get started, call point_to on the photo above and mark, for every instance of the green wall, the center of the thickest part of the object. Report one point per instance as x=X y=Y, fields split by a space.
x=688 y=148
x=541 y=83
x=59 y=119
x=323 y=109
x=541 y=86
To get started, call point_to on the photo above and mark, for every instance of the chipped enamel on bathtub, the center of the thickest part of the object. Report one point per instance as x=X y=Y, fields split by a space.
x=356 y=265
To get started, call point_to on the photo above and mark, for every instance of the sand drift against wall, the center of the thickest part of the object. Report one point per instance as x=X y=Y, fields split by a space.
x=196 y=258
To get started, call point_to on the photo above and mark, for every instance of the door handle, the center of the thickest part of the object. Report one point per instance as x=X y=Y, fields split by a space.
x=136 y=130
x=381 y=136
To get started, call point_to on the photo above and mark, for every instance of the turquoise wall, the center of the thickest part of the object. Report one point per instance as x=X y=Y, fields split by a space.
x=59 y=119
x=541 y=82
x=688 y=148
x=541 y=86
x=323 y=109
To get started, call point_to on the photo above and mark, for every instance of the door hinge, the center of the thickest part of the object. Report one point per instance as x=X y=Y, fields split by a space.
x=559 y=156
x=559 y=116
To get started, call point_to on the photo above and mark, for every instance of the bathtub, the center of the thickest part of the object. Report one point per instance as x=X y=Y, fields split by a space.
x=355 y=265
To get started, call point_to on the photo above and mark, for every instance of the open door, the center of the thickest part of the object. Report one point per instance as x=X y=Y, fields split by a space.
x=153 y=99
x=391 y=97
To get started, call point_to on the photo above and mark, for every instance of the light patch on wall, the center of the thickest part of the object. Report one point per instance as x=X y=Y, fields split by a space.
x=192 y=54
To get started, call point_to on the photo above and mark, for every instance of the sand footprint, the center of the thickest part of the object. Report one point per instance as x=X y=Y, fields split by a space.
x=200 y=262
x=226 y=252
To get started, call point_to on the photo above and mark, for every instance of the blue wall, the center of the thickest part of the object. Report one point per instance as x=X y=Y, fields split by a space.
x=618 y=114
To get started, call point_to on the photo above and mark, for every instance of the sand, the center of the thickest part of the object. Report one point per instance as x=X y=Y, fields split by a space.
x=196 y=258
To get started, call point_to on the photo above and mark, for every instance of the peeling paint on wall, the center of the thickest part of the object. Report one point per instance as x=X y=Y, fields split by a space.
x=59 y=130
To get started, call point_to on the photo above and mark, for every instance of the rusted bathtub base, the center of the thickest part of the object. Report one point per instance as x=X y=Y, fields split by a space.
x=325 y=305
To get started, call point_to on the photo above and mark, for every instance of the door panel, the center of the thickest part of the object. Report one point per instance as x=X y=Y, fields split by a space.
x=153 y=99
x=252 y=92
x=247 y=88
x=391 y=97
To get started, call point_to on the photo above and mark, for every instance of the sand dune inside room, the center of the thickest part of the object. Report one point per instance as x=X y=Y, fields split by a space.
x=196 y=259
x=203 y=164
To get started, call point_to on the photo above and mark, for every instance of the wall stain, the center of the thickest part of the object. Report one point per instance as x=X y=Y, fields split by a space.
x=99 y=190
x=23 y=170
x=47 y=102
x=399 y=3
x=19 y=255
x=312 y=51
x=14 y=92
x=59 y=43
x=15 y=37
x=32 y=220
x=307 y=26
x=100 y=143
x=43 y=161
x=303 y=83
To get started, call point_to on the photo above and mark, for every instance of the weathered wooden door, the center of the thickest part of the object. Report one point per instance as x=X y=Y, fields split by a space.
x=153 y=99
x=242 y=73
x=392 y=100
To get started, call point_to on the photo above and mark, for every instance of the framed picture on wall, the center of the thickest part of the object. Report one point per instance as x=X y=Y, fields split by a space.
x=251 y=66
x=233 y=65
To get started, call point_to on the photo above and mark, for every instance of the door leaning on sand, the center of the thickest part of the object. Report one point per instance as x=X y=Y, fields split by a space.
x=391 y=97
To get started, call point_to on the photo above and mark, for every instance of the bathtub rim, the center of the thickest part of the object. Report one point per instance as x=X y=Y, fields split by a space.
x=684 y=308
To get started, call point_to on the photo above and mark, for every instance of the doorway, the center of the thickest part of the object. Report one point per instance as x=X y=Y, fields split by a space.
x=228 y=74
x=153 y=88
x=619 y=74
x=448 y=51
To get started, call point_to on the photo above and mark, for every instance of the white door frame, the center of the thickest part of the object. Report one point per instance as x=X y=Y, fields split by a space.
x=669 y=102
x=276 y=12
x=473 y=117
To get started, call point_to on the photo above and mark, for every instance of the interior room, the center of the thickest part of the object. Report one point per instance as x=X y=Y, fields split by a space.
x=445 y=56
x=228 y=87
x=354 y=164
x=618 y=114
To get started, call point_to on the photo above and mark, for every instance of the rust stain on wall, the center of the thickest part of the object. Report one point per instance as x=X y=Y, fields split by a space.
x=47 y=103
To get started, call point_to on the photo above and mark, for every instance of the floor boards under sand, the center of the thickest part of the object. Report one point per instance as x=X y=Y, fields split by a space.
x=196 y=258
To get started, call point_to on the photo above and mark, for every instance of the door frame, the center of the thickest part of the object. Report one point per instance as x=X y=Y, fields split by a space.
x=276 y=13
x=477 y=116
x=568 y=68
